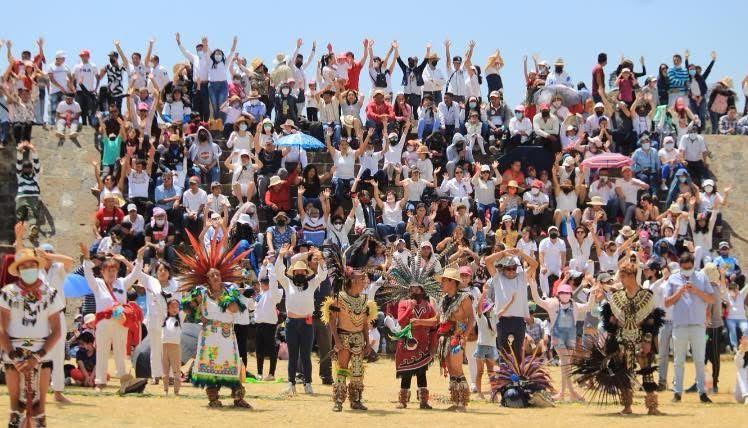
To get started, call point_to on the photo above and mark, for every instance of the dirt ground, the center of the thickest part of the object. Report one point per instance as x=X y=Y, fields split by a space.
x=153 y=410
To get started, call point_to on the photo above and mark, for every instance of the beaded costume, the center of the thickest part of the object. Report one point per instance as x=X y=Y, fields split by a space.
x=450 y=335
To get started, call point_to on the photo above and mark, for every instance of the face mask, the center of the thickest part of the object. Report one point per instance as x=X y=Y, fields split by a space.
x=603 y=178
x=219 y=58
x=267 y=127
x=285 y=91
x=553 y=235
x=557 y=103
x=243 y=127
x=299 y=278
x=299 y=63
x=29 y=276
x=564 y=297
x=433 y=63
x=692 y=72
x=159 y=222
x=686 y=272
x=519 y=114
x=338 y=226
x=559 y=70
x=645 y=146
x=669 y=146
x=708 y=189
x=598 y=113
x=473 y=104
x=280 y=222
x=682 y=178
x=545 y=114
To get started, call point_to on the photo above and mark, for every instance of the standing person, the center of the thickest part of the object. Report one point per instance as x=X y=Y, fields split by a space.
x=299 y=77
x=171 y=338
x=110 y=293
x=598 y=77
x=86 y=77
x=29 y=329
x=508 y=290
x=656 y=276
x=28 y=192
x=689 y=293
x=210 y=281
x=485 y=353
x=694 y=152
x=715 y=325
x=266 y=318
x=678 y=79
x=414 y=350
x=348 y=314
x=200 y=66
x=413 y=79
x=741 y=376
x=59 y=84
x=299 y=283
x=632 y=322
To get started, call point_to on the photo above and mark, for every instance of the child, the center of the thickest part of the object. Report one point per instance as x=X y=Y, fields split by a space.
x=486 y=351
x=563 y=313
x=86 y=359
x=479 y=235
x=527 y=245
x=171 y=357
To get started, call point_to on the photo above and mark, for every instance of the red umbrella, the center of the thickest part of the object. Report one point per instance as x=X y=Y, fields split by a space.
x=607 y=160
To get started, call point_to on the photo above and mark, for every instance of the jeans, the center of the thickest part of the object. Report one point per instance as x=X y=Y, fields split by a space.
x=425 y=128
x=324 y=345
x=39 y=108
x=714 y=118
x=511 y=326
x=299 y=337
x=493 y=211
x=255 y=248
x=712 y=351
x=341 y=188
x=4 y=132
x=414 y=100
x=87 y=101
x=266 y=347
x=700 y=111
x=218 y=92
x=335 y=131
x=384 y=230
x=683 y=335
x=627 y=209
x=668 y=172
x=732 y=330
x=54 y=100
x=208 y=177
x=663 y=350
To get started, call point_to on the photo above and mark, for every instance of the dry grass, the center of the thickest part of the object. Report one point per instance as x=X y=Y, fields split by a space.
x=190 y=410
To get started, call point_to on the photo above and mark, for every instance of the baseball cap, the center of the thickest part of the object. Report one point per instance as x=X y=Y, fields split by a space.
x=47 y=247
x=724 y=244
x=60 y=55
x=599 y=105
x=131 y=207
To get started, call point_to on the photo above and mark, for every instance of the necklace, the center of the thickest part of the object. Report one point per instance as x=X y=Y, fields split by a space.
x=355 y=307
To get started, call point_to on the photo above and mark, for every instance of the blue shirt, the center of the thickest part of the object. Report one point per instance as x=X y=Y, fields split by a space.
x=163 y=193
x=689 y=309
x=645 y=160
x=730 y=263
x=678 y=77
x=256 y=110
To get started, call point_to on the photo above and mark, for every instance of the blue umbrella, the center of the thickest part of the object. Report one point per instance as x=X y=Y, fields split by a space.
x=299 y=139
x=75 y=286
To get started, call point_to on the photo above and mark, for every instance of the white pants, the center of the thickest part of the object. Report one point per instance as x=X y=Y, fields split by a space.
x=470 y=348
x=72 y=130
x=741 y=381
x=57 y=354
x=154 y=338
x=695 y=335
x=110 y=335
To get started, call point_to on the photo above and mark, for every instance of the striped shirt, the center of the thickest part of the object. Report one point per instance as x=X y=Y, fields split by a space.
x=678 y=77
x=28 y=185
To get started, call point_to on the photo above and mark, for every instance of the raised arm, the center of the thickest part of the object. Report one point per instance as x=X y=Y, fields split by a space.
x=448 y=57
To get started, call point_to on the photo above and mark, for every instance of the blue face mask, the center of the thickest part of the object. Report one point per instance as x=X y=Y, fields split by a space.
x=692 y=72
x=682 y=178
x=518 y=115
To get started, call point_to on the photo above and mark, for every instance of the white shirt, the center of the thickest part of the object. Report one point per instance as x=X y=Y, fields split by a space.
x=449 y=115
x=193 y=201
x=517 y=125
x=370 y=160
x=433 y=79
x=552 y=254
x=329 y=112
x=395 y=153
x=692 y=149
x=63 y=108
x=458 y=83
x=85 y=74
x=20 y=309
x=630 y=189
x=528 y=247
x=485 y=190
x=658 y=290
x=414 y=189
x=60 y=74
x=265 y=311
x=138 y=225
x=171 y=332
x=503 y=290
x=471 y=85
x=120 y=286
x=456 y=189
x=142 y=71
x=608 y=263
x=486 y=329
x=200 y=63
x=605 y=192
x=566 y=201
x=217 y=73
x=137 y=184
x=344 y=164
x=539 y=199
x=299 y=301
x=160 y=76
x=667 y=156
x=392 y=215
x=177 y=110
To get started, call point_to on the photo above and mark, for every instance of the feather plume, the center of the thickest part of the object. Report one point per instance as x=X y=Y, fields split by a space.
x=194 y=267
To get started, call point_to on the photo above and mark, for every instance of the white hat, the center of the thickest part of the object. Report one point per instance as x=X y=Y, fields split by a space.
x=599 y=105
x=485 y=168
x=244 y=219
x=707 y=182
x=215 y=216
x=60 y=55
x=569 y=161
x=131 y=207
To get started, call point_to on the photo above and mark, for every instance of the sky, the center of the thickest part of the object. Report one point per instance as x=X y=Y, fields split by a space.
x=573 y=29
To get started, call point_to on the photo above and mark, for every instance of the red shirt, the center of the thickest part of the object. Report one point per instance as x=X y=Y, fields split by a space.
x=236 y=90
x=107 y=218
x=597 y=72
x=354 y=71
x=374 y=110
x=280 y=195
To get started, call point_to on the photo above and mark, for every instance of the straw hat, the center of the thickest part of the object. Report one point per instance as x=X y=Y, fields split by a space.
x=256 y=62
x=299 y=265
x=434 y=55
x=280 y=57
x=279 y=215
x=25 y=255
x=275 y=180
x=627 y=231
x=512 y=183
x=596 y=201
x=422 y=149
x=559 y=61
x=450 y=273
x=726 y=81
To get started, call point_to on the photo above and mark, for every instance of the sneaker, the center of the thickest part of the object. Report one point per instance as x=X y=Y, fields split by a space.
x=693 y=388
x=676 y=398
x=705 y=398
x=473 y=389
x=268 y=378
x=308 y=389
x=290 y=389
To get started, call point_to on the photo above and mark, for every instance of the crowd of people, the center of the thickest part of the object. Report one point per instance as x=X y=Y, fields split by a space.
x=534 y=217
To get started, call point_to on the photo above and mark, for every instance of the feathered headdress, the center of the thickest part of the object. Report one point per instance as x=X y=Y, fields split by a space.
x=195 y=267
x=340 y=269
x=525 y=376
x=404 y=275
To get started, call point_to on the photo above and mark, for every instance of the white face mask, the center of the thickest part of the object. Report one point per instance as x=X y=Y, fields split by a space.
x=669 y=146
x=285 y=91
x=708 y=189
x=30 y=275
x=243 y=127
x=564 y=297
x=686 y=272
x=535 y=191
x=159 y=222
x=219 y=57
x=645 y=146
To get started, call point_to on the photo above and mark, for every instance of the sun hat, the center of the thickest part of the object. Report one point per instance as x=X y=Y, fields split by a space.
x=279 y=215
x=726 y=81
x=724 y=244
x=512 y=183
x=559 y=61
x=450 y=273
x=89 y=318
x=627 y=231
x=289 y=122
x=596 y=201
x=494 y=94
x=275 y=180
x=244 y=218
x=23 y=256
x=599 y=105
x=215 y=216
x=507 y=261
x=256 y=62
x=422 y=149
x=506 y=217
x=299 y=265
x=711 y=271
x=60 y=55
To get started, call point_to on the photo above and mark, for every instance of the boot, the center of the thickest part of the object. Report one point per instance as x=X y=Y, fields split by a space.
x=15 y=419
x=355 y=390
x=456 y=393
x=339 y=390
x=650 y=401
x=212 y=393
x=423 y=398
x=627 y=398
x=464 y=393
x=402 y=398
x=40 y=421
x=237 y=393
